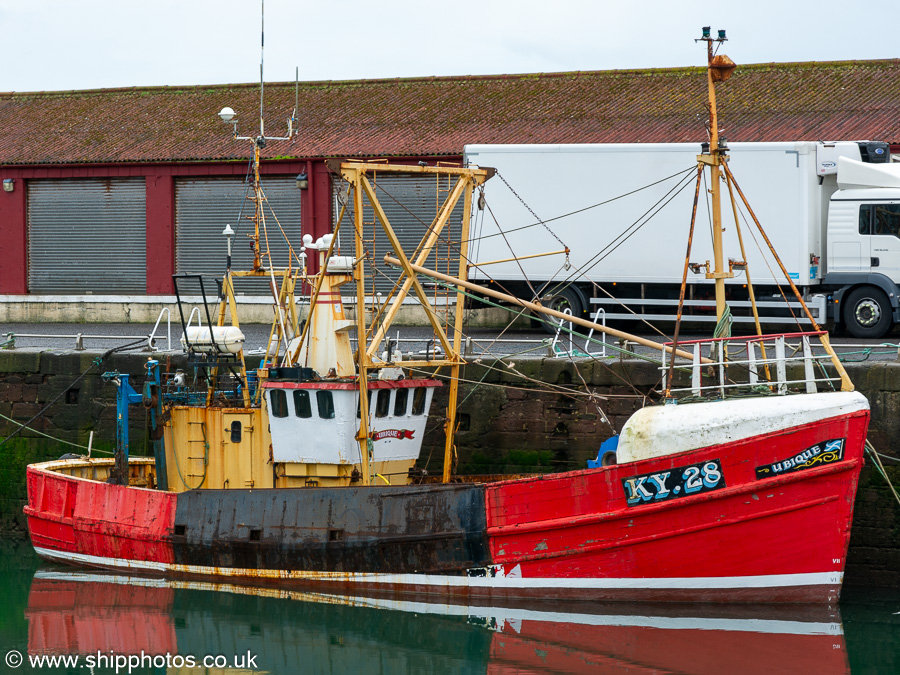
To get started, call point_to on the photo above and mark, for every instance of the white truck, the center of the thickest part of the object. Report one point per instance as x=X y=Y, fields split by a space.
x=831 y=210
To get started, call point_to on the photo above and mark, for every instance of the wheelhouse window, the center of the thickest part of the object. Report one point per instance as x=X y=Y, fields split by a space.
x=278 y=403
x=325 y=403
x=401 y=402
x=418 y=406
x=302 y=404
x=368 y=407
x=383 y=403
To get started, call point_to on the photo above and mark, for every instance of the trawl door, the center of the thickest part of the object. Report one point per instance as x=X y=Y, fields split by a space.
x=87 y=236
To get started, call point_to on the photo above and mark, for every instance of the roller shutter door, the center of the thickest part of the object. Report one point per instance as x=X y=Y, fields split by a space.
x=87 y=236
x=411 y=203
x=203 y=207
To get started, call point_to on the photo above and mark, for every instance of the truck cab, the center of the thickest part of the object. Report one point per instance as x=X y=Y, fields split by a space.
x=863 y=247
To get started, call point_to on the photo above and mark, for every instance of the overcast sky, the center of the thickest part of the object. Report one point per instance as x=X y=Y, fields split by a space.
x=85 y=44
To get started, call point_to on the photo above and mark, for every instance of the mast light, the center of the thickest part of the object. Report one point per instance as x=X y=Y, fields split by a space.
x=228 y=233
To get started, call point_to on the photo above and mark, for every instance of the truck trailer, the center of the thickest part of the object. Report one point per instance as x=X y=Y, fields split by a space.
x=623 y=211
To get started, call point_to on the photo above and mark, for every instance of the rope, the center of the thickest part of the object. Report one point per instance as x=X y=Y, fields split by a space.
x=58 y=440
x=96 y=362
x=877 y=459
x=723 y=325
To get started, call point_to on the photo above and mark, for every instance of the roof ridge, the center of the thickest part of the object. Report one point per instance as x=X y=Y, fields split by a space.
x=865 y=63
x=62 y=93
x=312 y=84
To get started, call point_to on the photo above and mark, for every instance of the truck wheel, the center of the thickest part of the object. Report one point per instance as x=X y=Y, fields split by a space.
x=867 y=313
x=567 y=298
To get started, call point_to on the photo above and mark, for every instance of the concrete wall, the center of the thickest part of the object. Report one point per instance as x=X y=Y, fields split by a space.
x=146 y=309
x=516 y=415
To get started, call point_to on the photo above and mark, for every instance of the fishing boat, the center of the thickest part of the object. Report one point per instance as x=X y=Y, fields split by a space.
x=737 y=487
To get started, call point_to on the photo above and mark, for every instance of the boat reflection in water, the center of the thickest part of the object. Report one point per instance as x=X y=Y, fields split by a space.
x=289 y=631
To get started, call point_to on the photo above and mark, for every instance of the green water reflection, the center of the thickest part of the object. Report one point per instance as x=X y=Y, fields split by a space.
x=48 y=610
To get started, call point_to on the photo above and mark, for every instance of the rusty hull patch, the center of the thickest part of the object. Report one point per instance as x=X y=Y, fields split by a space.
x=429 y=529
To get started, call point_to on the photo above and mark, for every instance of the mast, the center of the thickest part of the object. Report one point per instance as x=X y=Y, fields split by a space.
x=719 y=69
x=285 y=324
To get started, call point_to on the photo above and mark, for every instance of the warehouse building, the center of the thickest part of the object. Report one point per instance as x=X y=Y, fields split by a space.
x=108 y=193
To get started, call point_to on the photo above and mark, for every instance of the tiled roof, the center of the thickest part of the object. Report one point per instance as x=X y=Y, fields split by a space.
x=438 y=116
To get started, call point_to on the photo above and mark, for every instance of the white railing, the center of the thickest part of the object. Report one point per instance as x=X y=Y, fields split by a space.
x=79 y=338
x=559 y=351
x=152 y=337
x=721 y=365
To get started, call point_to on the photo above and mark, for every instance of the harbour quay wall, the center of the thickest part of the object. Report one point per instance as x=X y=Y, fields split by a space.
x=516 y=415
x=146 y=309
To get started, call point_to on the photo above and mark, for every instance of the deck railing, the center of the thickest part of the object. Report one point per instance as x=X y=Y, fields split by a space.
x=739 y=365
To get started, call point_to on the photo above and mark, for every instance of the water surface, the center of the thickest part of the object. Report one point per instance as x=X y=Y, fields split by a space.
x=115 y=620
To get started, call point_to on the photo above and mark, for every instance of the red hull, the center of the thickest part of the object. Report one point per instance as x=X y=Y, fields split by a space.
x=575 y=525
x=565 y=536
x=73 y=515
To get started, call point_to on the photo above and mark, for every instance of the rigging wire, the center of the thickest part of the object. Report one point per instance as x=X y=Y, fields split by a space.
x=876 y=457
x=573 y=332
x=638 y=317
x=634 y=227
x=530 y=210
x=240 y=220
x=509 y=246
x=765 y=259
x=94 y=364
x=57 y=439
x=626 y=234
x=587 y=208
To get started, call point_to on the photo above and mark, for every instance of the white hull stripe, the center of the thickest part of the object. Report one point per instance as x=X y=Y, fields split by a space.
x=509 y=615
x=434 y=580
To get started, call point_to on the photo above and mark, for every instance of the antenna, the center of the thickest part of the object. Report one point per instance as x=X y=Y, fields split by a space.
x=262 y=51
x=230 y=117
